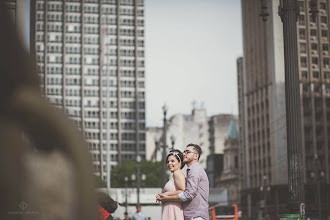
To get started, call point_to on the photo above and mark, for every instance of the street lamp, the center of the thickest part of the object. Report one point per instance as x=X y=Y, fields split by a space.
x=264 y=13
x=265 y=189
x=164 y=148
x=318 y=175
x=156 y=148
x=138 y=160
x=173 y=141
x=126 y=180
x=138 y=177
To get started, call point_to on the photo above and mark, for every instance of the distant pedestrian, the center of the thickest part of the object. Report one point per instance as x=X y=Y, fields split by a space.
x=126 y=217
x=139 y=215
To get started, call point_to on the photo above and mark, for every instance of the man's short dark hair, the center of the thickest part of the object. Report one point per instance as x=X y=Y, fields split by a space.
x=197 y=149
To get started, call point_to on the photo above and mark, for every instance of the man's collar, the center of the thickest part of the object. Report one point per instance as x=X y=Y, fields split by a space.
x=192 y=165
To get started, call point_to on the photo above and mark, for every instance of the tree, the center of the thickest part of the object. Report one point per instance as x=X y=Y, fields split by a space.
x=152 y=170
x=99 y=182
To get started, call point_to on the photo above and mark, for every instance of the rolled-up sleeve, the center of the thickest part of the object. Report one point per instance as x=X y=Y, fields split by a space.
x=192 y=184
x=182 y=197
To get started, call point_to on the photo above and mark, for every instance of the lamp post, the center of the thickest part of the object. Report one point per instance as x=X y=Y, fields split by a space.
x=265 y=189
x=164 y=148
x=173 y=141
x=126 y=180
x=156 y=148
x=318 y=174
x=138 y=177
x=138 y=160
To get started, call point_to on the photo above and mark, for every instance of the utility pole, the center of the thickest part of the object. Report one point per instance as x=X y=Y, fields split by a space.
x=289 y=13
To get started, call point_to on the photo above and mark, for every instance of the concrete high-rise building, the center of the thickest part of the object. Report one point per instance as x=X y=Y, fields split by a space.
x=261 y=92
x=19 y=11
x=90 y=59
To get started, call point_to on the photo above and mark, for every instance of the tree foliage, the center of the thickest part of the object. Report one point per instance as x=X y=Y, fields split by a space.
x=152 y=170
x=98 y=182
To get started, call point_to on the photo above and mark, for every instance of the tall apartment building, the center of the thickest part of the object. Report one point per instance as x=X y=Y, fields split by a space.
x=90 y=59
x=262 y=108
x=19 y=11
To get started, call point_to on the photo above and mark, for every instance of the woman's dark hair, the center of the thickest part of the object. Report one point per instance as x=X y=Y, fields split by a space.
x=177 y=154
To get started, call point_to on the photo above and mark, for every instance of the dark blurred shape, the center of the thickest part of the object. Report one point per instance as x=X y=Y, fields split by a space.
x=106 y=202
x=45 y=168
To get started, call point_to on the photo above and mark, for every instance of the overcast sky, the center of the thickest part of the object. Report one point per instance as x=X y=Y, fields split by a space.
x=191 y=49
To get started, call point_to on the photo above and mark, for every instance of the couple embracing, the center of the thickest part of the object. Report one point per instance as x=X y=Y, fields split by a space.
x=185 y=198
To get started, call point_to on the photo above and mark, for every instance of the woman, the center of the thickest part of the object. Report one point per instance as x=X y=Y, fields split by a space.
x=176 y=184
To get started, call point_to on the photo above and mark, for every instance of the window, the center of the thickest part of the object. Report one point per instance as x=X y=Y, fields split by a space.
x=314 y=46
x=326 y=62
x=325 y=47
x=304 y=75
x=324 y=20
x=324 y=33
x=301 y=5
x=312 y=19
x=303 y=61
x=313 y=32
x=315 y=60
x=315 y=74
x=302 y=33
x=323 y=5
x=301 y=20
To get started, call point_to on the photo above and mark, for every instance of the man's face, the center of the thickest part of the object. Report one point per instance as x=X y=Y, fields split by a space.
x=138 y=209
x=189 y=154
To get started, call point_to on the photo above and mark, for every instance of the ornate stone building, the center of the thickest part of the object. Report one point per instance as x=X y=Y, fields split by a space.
x=229 y=178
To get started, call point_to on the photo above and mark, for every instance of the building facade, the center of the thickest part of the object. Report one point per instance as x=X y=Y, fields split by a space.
x=262 y=108
x=218 y=131
x=229 y=177
x=19 y=11
x=90 y=59
x=208 y=132
x=181 y=130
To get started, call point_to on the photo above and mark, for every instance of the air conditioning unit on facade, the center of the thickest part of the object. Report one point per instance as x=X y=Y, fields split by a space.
x=314 y=52
x=70 y=28
x=52 y=59
x=52 y=37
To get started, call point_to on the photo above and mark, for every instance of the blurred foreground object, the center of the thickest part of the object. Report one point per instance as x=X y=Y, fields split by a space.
x=45 y=168
x=106 y=206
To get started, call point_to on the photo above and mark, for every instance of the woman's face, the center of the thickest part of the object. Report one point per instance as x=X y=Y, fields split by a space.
x=172 y=163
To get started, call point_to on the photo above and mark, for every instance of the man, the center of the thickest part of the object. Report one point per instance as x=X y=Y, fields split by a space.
x=126 y=216
x=139 y=215
x=195 y=197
